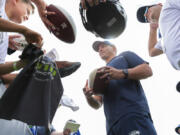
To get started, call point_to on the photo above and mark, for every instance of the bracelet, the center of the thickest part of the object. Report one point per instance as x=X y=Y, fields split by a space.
x=15 y=66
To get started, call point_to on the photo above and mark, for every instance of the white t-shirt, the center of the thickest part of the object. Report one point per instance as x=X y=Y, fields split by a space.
x=8 y=127
x=3 y=35
x=170 y=30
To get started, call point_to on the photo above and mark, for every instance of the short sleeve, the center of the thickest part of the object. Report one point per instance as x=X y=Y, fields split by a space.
x=159 y=46
x=133 y=59
x=174 y=3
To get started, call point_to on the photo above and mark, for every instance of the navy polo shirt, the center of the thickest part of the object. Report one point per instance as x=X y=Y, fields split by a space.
x=124 y=96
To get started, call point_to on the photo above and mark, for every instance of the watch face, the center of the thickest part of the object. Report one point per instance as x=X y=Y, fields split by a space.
x=125 y=71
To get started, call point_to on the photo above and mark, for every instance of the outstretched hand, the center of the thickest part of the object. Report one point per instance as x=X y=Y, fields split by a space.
x=66 y=132
x=33 y=37
x=12 y=44
x=43 y=13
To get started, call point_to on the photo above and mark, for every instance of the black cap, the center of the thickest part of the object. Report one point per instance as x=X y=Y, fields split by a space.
x=177 y=128
x=140 y=13
x=96 y=44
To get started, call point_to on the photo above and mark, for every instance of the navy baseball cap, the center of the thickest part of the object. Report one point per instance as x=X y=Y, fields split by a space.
x=141 y=11
x=97 y=43
x=177 y=128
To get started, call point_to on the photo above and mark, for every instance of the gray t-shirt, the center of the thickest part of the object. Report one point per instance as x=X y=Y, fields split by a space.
x=12 y=127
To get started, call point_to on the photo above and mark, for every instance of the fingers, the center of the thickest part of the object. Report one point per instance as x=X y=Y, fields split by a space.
x=103 y=69
x=35 y=39
x=49 y=24
x=15 y=45
x=83 y=4
x=85 y=87
x=90 y=2
x=40 y=44
x=106 y=76
x=43 y=15
x=38 y=40
x=96 y=2
x=66 y=132
x=50 y=13
x=106 y=72
x=88 y=92
x=14 y=36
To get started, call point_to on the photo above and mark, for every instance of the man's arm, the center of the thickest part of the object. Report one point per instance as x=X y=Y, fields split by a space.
x=8 y=78
x=7 y=26
x=31 y=36
x=9 y=67
x=93 y=100
x=138 y=72
x=153 y=41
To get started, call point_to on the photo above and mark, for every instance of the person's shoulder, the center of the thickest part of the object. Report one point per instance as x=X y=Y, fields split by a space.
x=126 y=53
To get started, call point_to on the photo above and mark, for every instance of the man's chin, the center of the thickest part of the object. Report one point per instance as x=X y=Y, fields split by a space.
x=17 y=21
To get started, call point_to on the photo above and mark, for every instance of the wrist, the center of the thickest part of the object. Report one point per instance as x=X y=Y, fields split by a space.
x=15 y=68
x=22 y=30
x=153 y=30
x=89 y=97
x=125 y=73
x=20 y=64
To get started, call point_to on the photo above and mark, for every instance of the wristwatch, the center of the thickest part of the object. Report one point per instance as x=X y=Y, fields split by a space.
x=125 y=72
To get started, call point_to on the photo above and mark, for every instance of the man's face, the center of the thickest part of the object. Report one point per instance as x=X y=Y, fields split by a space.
x=105 y=51
x=21 y=12
x=153 y=13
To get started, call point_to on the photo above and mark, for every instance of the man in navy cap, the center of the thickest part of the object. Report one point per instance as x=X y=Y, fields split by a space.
x=168 y=19
x=125 y=105
x=150 y=14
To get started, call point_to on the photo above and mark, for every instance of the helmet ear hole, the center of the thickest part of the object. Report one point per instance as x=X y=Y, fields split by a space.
x=107 y=20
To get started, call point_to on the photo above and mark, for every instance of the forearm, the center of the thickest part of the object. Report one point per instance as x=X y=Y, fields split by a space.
x=8 y=78
x=94 y=103
x=139 y=72
x=8 y=67
x=152 y=40
x=7 y=26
